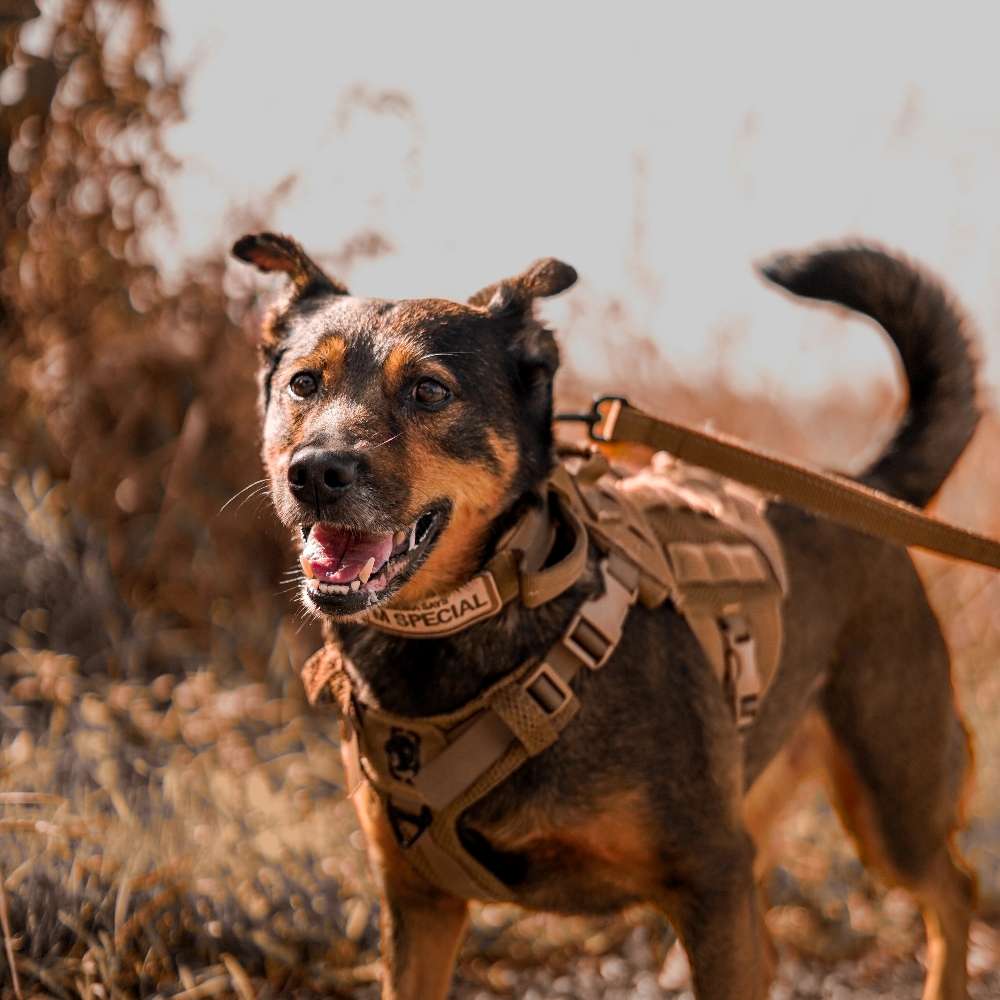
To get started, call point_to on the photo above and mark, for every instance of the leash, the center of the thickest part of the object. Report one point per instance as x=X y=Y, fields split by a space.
x=614 y=420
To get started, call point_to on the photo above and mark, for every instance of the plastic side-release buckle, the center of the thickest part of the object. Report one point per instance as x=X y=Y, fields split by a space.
x=596 y=628
x=742 y=676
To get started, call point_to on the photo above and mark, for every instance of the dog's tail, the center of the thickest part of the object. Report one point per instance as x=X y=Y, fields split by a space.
x=933 y=339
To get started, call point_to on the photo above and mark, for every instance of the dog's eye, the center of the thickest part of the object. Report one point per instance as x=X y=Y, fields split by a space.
x=430 y=393
x=303 y=385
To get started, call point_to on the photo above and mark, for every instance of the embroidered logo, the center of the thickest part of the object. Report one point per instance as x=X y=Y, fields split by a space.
x=479 y=598
x=402 y=752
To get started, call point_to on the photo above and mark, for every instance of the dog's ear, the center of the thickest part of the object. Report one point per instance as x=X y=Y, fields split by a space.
x=533 y=347
x=273 y=252
x=545 y=277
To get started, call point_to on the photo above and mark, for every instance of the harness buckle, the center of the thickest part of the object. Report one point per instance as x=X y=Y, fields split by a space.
x=547 y=689
x=596 y=628
x=742 y=676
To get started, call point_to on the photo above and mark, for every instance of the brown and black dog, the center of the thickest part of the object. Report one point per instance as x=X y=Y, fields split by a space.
x=402 y=438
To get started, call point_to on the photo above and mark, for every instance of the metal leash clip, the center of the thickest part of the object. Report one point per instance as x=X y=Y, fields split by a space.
x=595 y=417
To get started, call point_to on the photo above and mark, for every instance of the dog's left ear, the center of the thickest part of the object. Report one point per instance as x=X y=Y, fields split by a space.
x=545 y=277
x=533 y=347
x=273 y=252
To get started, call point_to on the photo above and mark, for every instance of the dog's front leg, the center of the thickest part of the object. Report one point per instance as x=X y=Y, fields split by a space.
x=718 y=920
x=420 y=939
x=422 y=927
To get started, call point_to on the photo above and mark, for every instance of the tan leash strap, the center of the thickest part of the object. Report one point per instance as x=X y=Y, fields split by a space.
x=614 y=420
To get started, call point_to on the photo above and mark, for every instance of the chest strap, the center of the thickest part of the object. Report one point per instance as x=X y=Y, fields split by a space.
x=428 y=771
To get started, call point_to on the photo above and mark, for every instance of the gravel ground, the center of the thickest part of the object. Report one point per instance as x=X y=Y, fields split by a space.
x=634 y=970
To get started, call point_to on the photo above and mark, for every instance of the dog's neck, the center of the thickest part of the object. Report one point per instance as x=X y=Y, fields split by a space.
x=423 y=676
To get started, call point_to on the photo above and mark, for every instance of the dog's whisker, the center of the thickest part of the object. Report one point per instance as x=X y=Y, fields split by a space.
x=258 y=494
x=239 y=492
x=389 y=440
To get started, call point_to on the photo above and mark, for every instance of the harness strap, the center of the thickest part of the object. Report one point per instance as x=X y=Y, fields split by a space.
x=835 y=497
x=480 y=745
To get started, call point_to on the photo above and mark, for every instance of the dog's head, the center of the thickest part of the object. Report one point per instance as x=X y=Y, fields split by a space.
x=398 y=433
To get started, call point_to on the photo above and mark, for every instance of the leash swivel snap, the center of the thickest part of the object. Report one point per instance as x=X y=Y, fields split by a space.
x=599 y=424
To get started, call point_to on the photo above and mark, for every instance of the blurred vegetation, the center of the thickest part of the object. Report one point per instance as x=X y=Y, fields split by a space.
x=171 y=818
x=127 y=409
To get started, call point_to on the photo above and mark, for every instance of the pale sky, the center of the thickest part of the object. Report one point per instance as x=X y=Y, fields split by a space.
x=657 y=148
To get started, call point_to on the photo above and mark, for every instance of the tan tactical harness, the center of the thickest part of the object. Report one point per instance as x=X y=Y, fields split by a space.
x=671 y=531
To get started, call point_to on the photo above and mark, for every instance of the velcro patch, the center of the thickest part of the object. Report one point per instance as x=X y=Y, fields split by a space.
x=716 y=562
x=477 y=599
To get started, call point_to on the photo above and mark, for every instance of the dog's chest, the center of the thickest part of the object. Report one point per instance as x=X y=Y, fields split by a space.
x=595 y=857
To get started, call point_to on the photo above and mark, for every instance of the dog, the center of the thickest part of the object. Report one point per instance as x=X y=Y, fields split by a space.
x=402 y=439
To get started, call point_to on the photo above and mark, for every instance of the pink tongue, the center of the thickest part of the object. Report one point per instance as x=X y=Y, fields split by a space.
x=338 y=556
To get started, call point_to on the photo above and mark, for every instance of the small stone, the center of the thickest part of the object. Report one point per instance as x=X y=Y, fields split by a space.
x=614 y=970
x=646 y=987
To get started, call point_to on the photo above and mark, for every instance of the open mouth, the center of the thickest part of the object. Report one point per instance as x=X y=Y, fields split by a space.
x=347 y=571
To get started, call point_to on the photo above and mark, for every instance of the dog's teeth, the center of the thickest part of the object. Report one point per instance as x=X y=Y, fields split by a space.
x=366 y=570
x=413 y=536
x=355 y=586
x=306 y=567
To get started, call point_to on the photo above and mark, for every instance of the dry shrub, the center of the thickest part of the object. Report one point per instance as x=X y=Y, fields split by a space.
x=127 y=408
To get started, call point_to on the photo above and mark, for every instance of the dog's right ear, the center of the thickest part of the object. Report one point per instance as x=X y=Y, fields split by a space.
x=272 y=252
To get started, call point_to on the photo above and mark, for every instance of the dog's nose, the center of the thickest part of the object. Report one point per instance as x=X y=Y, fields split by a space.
x=315 y=474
